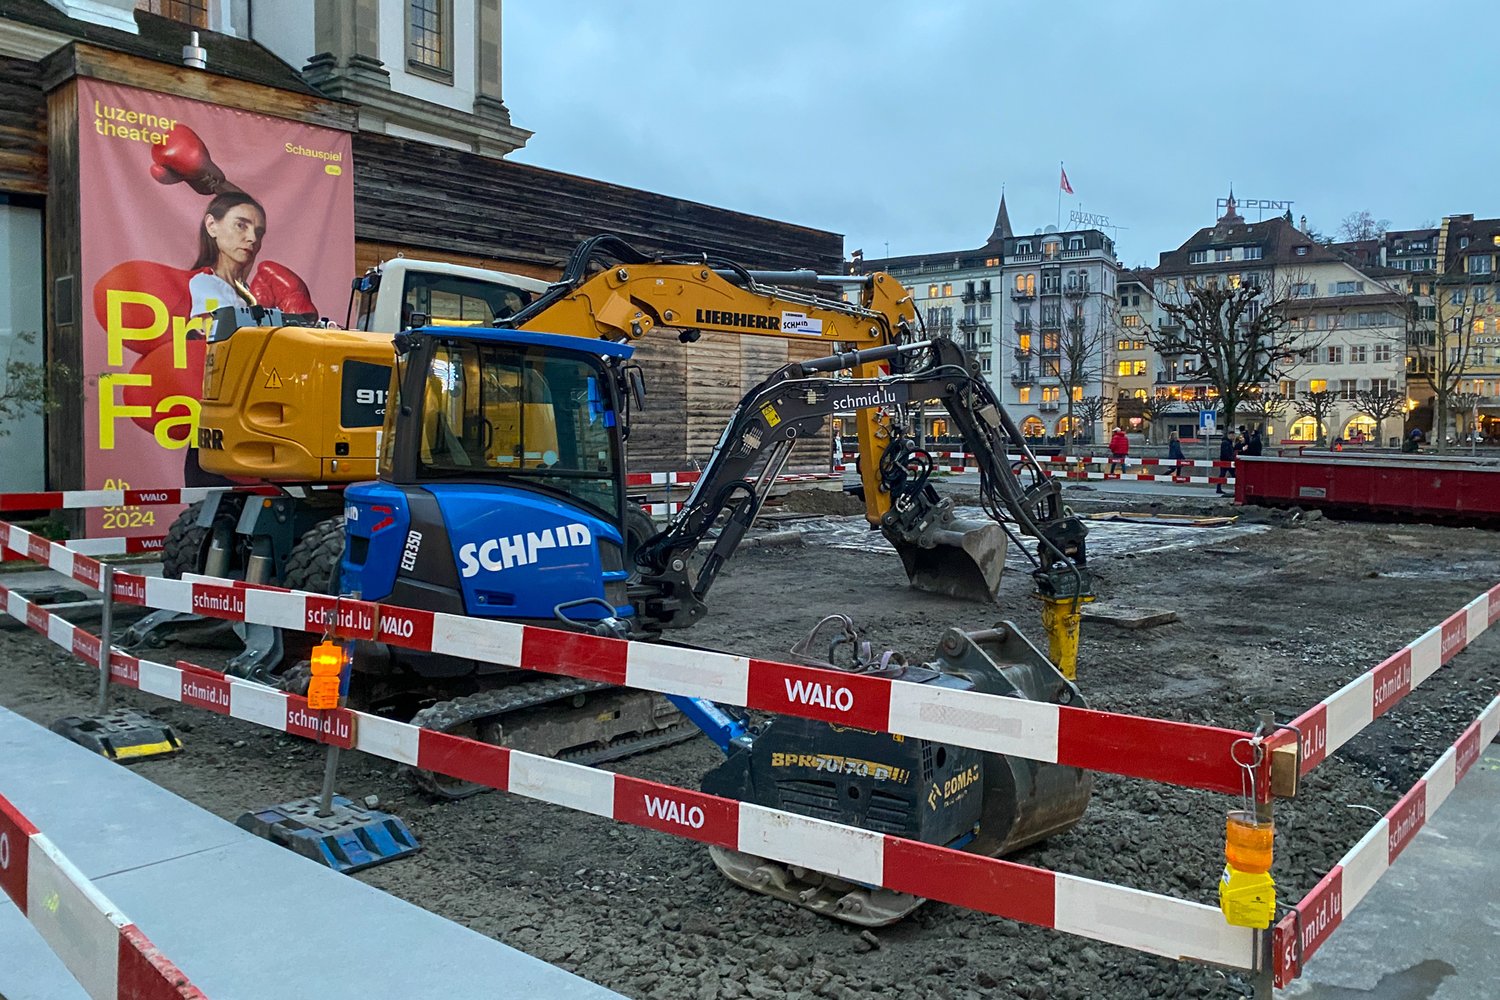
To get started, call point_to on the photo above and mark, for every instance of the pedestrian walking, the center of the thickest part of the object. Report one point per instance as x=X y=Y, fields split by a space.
x=1174 y=452
x=1119 y=450
x=1226 y=454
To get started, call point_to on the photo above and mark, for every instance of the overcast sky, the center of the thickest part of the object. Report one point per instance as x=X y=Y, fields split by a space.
x=897 y=122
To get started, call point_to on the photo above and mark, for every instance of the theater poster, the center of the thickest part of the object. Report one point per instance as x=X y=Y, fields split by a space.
x=187 y=207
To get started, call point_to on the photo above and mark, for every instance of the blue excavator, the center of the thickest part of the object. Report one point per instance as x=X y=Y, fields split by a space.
x=500 y=492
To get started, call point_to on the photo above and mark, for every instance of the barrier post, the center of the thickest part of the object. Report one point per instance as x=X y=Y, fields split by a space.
x=329 y=828
x=106 y=634
x=1264 y=973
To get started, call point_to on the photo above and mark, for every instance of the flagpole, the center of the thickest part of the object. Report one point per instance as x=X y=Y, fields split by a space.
x=1059 y=194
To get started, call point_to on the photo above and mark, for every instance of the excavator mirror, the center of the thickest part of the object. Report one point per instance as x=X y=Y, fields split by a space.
x=637 y=383
x=416 y=319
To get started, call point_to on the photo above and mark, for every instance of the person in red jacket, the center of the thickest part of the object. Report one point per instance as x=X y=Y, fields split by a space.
x=1119 y=450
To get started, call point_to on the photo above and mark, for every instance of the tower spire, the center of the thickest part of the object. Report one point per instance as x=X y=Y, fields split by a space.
x=1002 y=229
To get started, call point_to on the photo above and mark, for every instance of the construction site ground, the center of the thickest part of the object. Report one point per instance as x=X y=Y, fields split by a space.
x=1276 y=612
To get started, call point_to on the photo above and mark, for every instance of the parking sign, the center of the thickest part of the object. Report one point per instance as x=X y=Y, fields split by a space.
x=1208 y=423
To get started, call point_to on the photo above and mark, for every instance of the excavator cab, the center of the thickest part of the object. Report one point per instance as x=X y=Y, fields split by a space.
x=501 y=481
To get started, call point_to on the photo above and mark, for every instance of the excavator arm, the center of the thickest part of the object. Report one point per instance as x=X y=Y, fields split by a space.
x=795 y=402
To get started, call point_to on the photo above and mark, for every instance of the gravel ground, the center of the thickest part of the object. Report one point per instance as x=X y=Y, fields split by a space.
x=1277 y=619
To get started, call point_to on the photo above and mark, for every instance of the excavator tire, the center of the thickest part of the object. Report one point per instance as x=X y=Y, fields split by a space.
x=638 y=527
x=314 y=561
x=183 y=550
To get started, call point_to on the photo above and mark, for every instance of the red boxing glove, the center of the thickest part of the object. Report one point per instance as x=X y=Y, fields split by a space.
x=278 y=286
x=183 y=157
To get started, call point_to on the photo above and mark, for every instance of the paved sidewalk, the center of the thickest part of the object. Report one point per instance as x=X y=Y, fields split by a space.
x=238 y=915
x=1430 y=929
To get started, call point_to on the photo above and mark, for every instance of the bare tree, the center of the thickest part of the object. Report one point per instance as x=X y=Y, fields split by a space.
x=1263 y=406
x=1095 y=409
x=1362 y=225
x=1153 y=408
x=1237 y=336
x=1378 y=405
x=1080 y=356
x=1316 y=405
x=1465 y=403
x=1441 y=347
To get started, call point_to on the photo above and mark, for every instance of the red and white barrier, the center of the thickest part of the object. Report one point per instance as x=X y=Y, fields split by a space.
x=1132 y=918
x=1320 y=912
x=1097 y=741
x=1338 y=718
x=108 y=955
x=957 y=463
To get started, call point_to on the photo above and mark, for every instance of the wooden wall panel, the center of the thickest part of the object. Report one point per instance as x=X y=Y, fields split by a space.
x=23 y=129
x=415 y=194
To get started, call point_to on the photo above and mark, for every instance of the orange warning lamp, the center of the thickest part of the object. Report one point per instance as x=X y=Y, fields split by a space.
x=327 y=672
x=1248 y=843
x=1247 y=893
x=327 y=659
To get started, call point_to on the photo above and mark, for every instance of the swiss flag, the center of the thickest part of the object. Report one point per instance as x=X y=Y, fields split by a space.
x=1065 y=185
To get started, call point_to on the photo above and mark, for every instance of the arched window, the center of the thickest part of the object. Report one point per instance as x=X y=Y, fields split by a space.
x=1033 y=427
x=1360 y=427
x=1066 y=426
x=1305 y=429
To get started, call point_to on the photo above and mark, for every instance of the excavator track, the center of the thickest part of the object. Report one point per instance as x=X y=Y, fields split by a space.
x=850 y=902
x=602 y=723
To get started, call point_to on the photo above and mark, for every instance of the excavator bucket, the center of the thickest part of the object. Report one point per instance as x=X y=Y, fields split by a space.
x=947 y=554
x=983 y=803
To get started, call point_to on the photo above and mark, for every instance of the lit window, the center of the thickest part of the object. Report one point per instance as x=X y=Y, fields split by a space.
x=1318 y=385
x=1122 y=345
x=1131 y=320
x=1137 y=345
x=1479 y=326
x=1078 y=394
x=992 y=262
x=1024 y=393
x=191 y=12
x=1123 y=368
x=1050 y=249
x=1235 y=280
x=1137 y=367
x=948 y=288
x=1139 y=394
x=1024 y=342
x=1050 y=394
x=932 y=291
x=429 y=34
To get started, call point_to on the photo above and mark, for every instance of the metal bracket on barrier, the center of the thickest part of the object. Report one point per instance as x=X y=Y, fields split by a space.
x=351 y=838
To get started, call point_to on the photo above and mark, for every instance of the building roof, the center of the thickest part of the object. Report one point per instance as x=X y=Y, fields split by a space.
x=161 y=39
x=1138 y=275
x=1001 y=232
x=1344 y=301
x=1277 y=238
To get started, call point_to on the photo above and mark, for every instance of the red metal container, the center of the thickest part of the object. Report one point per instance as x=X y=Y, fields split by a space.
x=1419 y=487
